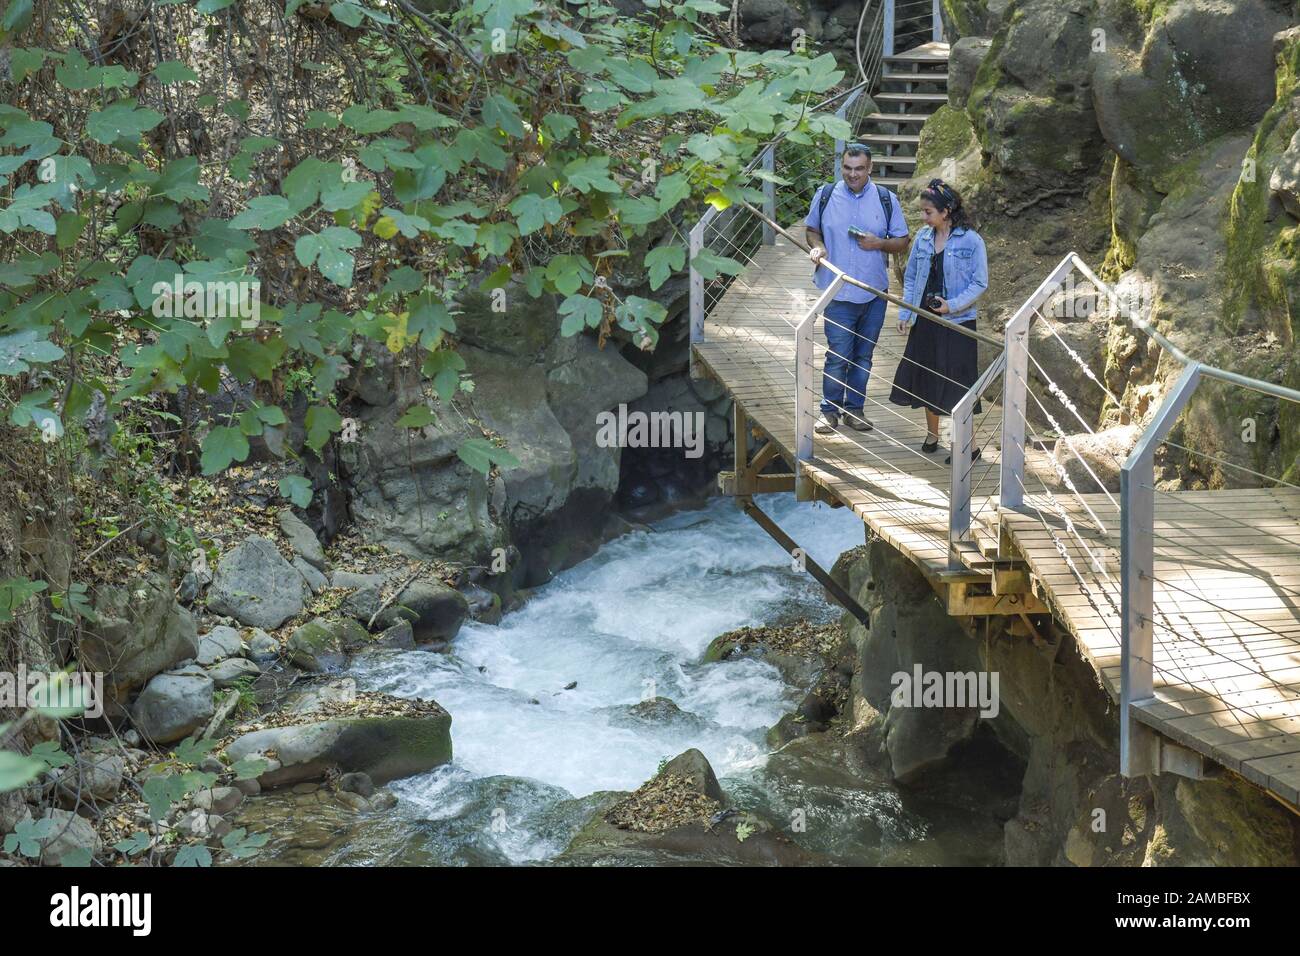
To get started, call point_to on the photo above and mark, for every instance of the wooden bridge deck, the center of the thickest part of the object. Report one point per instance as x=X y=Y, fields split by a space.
x=1227 y=592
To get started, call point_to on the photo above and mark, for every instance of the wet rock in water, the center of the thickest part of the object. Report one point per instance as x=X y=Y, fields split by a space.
x=358 y=783
x=484 y=605
x=798 y=650
x=302 y=539
x=680 y=816
x=321 y=645
x=231 y=670
x=218 y=644
x=434 y=610
x=399 y=637
x=69 y=834
x=657 y=712
x=789 y=727
x=173 y=706
x=386 y=748
x=256 y=586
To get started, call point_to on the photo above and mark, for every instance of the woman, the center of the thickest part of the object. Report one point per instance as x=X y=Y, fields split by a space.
x=946 y=272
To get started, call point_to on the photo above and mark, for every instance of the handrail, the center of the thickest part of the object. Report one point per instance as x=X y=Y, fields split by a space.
x=1139 y=746
x=884 y=294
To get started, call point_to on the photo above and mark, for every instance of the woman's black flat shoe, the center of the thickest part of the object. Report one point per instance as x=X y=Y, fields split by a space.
x=974 y=457
x=930 y=447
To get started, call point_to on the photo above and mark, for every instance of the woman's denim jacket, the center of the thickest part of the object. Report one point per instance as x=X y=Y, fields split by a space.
x=965 y=272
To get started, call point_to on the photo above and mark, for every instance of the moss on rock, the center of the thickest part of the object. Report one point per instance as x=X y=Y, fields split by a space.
x=947 y=134
x=1260 y=262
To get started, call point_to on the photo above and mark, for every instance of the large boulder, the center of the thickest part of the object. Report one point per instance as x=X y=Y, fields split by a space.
x=385 y=748
x=173 y=706
x=964 y=59
x=1031 y=104
x=1205 y=69
x=256 y=586
x=412 y=493
x=582 y=381
x=139 y=631
x=434 y=610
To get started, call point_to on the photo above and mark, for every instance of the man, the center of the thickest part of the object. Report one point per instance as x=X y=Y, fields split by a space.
x=855 y=317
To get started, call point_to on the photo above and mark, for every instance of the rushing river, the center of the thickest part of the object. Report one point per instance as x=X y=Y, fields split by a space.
x=542 y=714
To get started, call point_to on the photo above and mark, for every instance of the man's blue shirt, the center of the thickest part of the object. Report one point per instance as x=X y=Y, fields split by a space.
x=863 y=209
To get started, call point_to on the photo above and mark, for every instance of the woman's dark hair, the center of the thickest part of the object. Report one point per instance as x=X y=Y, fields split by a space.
x=943 y=197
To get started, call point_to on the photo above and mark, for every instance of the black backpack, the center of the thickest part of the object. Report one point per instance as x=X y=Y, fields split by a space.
x=824 y=196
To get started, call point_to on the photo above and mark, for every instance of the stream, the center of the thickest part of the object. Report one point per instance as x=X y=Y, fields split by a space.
x=543 y=716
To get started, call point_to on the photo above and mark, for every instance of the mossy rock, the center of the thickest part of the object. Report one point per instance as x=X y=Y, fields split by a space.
x=321 y=645
x=947 y=134
x=1260 y=271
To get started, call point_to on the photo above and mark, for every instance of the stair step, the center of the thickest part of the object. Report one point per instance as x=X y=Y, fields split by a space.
x=893 y=182
x=897 y=117
x=911 y=97
x=914 y=57
x=894 y=160
x=914 y=78
x=890 y=139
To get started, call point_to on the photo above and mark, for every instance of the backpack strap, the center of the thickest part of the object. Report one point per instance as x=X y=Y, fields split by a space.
x=886 y=204
x=823 y=197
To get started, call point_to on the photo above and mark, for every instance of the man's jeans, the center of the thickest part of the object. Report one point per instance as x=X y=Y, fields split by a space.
x=852 y=329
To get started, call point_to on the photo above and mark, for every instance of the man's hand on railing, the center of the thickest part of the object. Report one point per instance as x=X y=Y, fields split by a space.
x=816 y=253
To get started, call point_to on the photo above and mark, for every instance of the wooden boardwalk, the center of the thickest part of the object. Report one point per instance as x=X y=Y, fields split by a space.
x=1227 y=590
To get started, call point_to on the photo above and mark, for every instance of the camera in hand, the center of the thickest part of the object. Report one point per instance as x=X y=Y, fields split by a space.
x=855 y=232
x=932 y=303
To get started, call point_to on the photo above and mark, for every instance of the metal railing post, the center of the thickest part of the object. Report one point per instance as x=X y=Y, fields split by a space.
x=697 y=280
x=1138 y=746
x=963 y=439
x=806 y=396
x=1015 y=387
x=769 y=196
x=937 y=21
x=889 y=28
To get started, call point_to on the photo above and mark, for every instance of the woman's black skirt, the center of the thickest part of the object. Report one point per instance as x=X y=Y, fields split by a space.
x=938 y=367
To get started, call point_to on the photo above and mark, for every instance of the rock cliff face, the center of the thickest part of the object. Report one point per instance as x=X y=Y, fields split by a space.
x=538 y=390
x=1055 y=721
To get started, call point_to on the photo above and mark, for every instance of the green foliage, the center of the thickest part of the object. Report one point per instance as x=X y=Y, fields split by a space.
x=434 y=174
x=27 y=836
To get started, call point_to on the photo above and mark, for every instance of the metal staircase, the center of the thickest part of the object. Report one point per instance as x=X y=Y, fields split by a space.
x=906 y=60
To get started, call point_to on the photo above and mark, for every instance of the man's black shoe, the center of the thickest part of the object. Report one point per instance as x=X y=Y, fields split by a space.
x=831 y=424
x=857 y=423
